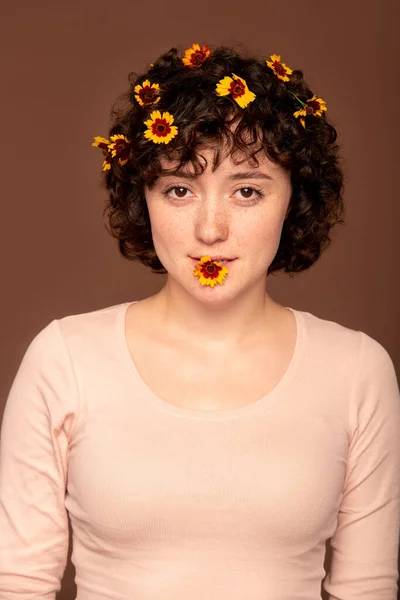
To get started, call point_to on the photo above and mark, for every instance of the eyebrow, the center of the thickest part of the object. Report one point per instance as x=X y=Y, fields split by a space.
x=250 y=175
x=235 y=176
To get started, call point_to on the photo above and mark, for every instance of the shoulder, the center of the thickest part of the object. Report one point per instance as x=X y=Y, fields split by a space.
x=88 y=331
x=329 y=331
x=342 y=337
x=365 y=358
x=47 y=380
x=85 y=322
x=344 y=350
x=65 y=338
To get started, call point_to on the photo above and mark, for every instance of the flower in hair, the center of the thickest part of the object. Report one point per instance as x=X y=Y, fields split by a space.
x=147 y=93
x=279 y=68
x=119 y=146
x=210 y=272
x=313 y=106
x=237 y=87
x=103 y=144
x=159 y=128
x=195 y=56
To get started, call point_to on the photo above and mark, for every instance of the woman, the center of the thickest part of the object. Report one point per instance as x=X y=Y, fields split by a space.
x=207 y=441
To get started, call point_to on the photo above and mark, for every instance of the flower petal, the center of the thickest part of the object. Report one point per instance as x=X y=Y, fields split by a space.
x=275 y=57
x=245 y=100
x=168 y=117
x=223 y=86
x=101 y=142
x=301 y=112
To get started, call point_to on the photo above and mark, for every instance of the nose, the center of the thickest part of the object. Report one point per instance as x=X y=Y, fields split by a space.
x=212 y=222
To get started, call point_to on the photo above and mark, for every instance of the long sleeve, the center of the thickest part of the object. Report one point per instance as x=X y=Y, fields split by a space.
x=365 y=542
x=38 y=420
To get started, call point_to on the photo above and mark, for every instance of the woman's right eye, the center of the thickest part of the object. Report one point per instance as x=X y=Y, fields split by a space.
x=180 y=192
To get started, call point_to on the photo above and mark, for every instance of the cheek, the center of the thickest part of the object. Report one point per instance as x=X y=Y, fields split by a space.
x=259 y=239
x=262 y=231
x=166 y=231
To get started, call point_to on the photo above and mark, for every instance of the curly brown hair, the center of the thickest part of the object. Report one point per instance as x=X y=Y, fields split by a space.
x=309 y=153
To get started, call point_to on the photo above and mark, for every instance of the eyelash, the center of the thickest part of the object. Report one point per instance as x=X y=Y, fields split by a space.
x=259 y=193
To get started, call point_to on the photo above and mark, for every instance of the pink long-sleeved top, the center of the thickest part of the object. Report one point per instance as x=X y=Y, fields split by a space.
x=167 y=502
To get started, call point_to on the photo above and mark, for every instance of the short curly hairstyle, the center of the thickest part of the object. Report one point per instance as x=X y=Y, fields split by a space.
x=309 y=153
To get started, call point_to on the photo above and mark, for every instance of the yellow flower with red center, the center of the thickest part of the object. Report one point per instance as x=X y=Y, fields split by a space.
x=210 y=272
x=147 y=93
x=279 y=68
x=195 y=56
x=237 y=87
x=314 y=106
x=120 y=147
x=159 y=128
x=103 y=144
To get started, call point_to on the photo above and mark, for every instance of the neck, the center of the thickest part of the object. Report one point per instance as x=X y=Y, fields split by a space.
x=213 y=323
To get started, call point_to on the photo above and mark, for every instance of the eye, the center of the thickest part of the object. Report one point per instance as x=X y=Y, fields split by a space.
x=250 y=193
x=180 y=192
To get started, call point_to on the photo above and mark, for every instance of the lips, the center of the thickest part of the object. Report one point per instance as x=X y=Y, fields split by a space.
x=221 y=260
x=215 y=258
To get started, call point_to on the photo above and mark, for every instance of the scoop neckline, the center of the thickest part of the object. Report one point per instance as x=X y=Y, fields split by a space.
x=265 y=402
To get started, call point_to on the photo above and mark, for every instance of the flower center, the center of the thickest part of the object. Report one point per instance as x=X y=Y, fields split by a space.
x=279 y=68
x=149 y=95
x=312 y=107
x=197 y=58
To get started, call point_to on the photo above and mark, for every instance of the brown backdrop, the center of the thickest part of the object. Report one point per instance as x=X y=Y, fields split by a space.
x=63 y=64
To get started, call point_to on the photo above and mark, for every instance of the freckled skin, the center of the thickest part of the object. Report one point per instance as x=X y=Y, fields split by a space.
x=215 y=214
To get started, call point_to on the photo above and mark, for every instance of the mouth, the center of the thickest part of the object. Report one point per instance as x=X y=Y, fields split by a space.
x=220 y=260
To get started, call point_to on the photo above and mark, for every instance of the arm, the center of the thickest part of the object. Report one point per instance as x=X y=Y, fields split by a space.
x=365 y=543
x=37 y=423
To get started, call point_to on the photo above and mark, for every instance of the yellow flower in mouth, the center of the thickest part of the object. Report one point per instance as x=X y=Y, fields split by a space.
x=195 y=56
x=159 y=128
x=147 y=93
x=119 y=146
x=237 y=87
x=315 y=106
x=103 y=144
x=210 y=272
x=279 y=68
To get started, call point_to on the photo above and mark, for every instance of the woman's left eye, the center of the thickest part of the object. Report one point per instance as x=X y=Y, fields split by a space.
x=247 y=193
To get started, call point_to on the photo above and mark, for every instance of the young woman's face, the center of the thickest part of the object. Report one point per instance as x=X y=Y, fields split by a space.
x=237 y=212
